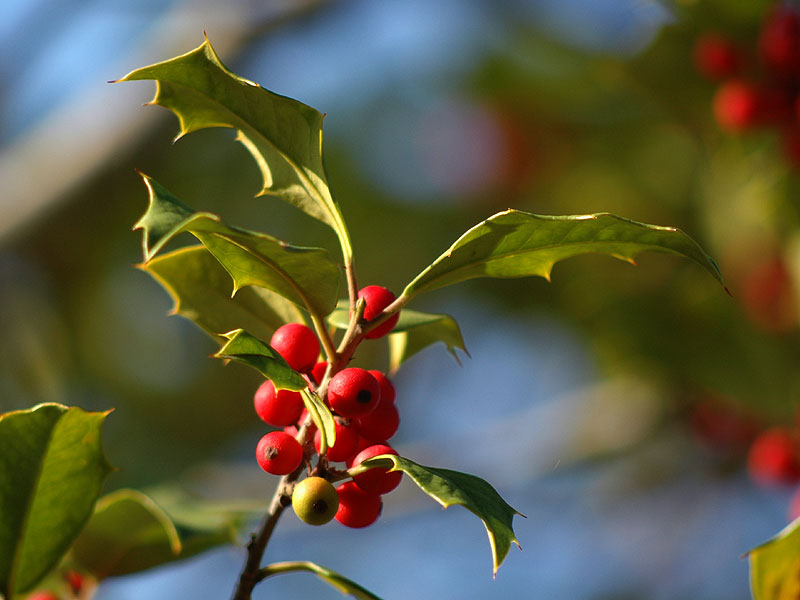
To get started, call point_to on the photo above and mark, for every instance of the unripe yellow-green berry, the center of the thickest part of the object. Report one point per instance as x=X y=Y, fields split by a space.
x=315 y=500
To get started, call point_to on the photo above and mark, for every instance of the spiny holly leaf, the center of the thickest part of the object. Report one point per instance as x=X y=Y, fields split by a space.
x=201 y=289
x=283 y=135
x=775 y=564
x=52 y=467
x=519 y=244
x=416 y=330
x=306 y=276
x=248 y=349
x=451 y=487
x=340 y=582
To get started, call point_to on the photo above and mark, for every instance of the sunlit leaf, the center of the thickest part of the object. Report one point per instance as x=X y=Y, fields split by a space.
x=52 y=468
x=248 y=349
x=283 y=135
x=322 y=417
x=775 y=565
x=340 y=582
x=452 y=487
x=514 y=244
x=306 y=276
x=201 y=290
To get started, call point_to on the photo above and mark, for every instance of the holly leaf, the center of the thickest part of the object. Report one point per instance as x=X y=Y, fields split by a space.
x=283 y=135
x=514 y=244
x=249 y=350
x=416 y=331
x=52 y=468
x=202 y=291
x=340 y=582
x=774 y=566
x=449 y=488
x=305 y=276
x=127 y=533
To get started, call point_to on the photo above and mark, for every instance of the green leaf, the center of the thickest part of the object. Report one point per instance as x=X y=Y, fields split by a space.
x=52 y=468
x=774 y=566
x=247 y=349
x=518 y=244
x=451 y=487
x=283 y=135
x=416 y=331
x=340 y=582
x=306 y=276
x=127 y=533
x=201 y=290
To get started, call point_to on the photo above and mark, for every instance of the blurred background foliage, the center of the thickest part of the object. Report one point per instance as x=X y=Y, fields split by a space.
x=613 y=405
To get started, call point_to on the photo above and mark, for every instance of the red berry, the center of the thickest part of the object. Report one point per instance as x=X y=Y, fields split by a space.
x=722 y=426
x=318 y=372
x=377 y=480
x=353 y=392
x=345 y=445
x=387 y=388
x=774 y=457
x=75 y=581
x=779 y=42
x=279 y=453
x=377 y=298
x=380 y=424
x=297 y=344
x=717 y=57
x=737 y=105
x=768 y=294
x=357 y=508
x=43 y=595
x=278 y=409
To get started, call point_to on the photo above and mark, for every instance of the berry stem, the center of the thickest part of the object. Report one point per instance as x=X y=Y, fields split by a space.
x=249 y=576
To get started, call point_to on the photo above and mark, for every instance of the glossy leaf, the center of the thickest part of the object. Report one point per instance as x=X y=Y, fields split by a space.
x=129 y=532
x=774 y=566
x=52 y=468
x=340 y=582
x=202 y=292
x=416 y=331
x=283 y=135
x=247 y=349
x=306 y=276
x=452 y=487
x=514 y=244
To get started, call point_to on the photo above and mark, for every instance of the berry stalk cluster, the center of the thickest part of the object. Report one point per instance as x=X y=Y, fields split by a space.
x=362 y=403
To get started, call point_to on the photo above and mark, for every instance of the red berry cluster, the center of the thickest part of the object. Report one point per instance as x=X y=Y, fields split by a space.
x=759 y=91
x=365 y=417
x=772 y=453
